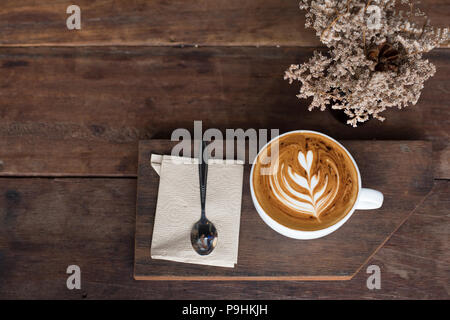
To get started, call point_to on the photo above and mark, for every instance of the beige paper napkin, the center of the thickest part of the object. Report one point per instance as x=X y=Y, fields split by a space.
x=178 y=208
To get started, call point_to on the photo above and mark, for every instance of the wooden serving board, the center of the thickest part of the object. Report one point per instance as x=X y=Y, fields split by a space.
x=402 y=170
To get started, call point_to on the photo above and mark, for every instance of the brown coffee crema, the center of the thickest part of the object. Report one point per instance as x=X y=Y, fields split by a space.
x=310 y=185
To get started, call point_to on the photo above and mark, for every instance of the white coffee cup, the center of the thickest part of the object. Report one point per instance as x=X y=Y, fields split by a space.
x=366 y=199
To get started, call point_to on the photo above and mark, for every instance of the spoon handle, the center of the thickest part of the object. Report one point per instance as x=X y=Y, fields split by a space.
x=203 y=174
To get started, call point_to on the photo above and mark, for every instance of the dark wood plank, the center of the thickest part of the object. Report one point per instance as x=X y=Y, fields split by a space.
x=84 y=109
x=140 y=22
x=417 y=255
x=437 y=124
x=52 y=156
x=267 y=255
x=48 y=224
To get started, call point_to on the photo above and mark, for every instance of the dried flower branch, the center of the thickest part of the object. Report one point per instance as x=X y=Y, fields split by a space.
x=374 y=60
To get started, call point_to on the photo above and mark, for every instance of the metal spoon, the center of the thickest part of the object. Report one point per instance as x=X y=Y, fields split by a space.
x=203 y=233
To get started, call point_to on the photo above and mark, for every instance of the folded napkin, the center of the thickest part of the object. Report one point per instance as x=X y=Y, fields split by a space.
x=178 y=209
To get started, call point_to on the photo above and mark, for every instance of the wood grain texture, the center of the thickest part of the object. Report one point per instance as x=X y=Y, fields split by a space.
x=157 y=22
x=267 y=255
x=48 y=224
x=417 y=255
x=81 y=111
x=437 y=127
x=160 y=22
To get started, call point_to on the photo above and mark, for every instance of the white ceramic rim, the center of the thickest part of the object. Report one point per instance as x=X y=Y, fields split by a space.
x=300 y=234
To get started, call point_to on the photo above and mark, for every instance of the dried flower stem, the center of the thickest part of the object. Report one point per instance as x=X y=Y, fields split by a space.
x=365 y=78
x=364 y=29
x=335 y=20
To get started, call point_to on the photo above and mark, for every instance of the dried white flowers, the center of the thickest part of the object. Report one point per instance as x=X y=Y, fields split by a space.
x=374 y=60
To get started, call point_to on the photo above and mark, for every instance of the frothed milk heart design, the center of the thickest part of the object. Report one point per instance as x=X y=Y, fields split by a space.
x=305 y=181
x=309 y=194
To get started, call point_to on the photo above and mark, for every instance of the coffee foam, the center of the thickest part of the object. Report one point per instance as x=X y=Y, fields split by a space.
x=309 y=184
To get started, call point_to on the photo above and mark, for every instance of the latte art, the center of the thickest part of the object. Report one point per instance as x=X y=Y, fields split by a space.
x=309 y=184
x=308 y=194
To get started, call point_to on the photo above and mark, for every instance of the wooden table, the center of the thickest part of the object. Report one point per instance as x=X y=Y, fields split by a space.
x=74 y=104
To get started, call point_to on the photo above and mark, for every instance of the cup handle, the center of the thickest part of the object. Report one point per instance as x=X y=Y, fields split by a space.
x=369 y=199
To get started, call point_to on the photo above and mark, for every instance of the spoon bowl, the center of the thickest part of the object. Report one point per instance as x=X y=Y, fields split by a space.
x=203 y=237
